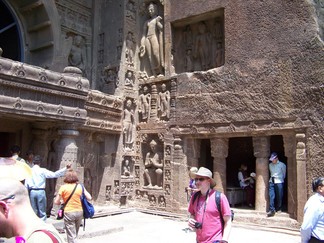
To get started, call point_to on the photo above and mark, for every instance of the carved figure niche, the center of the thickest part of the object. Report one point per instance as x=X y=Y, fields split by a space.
x=127 y=167
x=128 y=125
x=153 y=163
x=144 y=106
x=130 y=48
x=109 y=80
x=163 y=103
x=129 y=79
x=199 y=44
x=77 y=54
x=152 y=42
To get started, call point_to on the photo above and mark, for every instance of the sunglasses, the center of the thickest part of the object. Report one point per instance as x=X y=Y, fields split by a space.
x=6 y=198
x=200 y=179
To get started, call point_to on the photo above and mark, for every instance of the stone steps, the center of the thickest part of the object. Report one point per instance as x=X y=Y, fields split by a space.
x=251 y=217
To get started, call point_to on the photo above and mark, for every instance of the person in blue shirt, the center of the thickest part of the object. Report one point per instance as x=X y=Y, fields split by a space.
x=276 y=184
x=36 y=185
x=312 y=229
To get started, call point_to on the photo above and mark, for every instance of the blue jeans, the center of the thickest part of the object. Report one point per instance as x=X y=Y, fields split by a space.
x=38 y=202
x=275 y=192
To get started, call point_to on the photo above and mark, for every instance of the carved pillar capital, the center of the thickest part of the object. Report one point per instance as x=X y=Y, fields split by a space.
x=219 y=147
x=67 y=150
x=261 y=146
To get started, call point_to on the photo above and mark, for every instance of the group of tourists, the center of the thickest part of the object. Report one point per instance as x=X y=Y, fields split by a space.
x=23 y=200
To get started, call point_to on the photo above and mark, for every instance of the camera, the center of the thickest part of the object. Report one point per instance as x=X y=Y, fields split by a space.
x=198 y=225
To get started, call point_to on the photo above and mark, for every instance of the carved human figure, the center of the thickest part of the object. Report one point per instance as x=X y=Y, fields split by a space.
x=187 y=37
x=109 y=80
x=130 y=46
x=202 y=45
x=145 y=103
x=188 y=61
x=153 y=166
x=129 y=80
x=130 y=10
x=126 y=169
x=128 y=125
x=163 y=103
x=152 y=40
x=77 y=57
x=219 y=54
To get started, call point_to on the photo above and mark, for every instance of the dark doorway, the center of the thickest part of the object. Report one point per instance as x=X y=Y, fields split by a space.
x=6 y=140
x=205 y=160
x=240 y=150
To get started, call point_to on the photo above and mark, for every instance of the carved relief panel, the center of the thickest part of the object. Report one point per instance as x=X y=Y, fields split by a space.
x=198 y=43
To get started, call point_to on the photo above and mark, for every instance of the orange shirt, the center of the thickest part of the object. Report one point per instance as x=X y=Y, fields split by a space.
x=74 y=203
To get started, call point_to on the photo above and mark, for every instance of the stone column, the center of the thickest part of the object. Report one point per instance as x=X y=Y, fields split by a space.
x=39 y=145
x=219 y=150
x=291 y=177
x=192 y=152
x=301 y=175
x=67 y=150
x=261 y=147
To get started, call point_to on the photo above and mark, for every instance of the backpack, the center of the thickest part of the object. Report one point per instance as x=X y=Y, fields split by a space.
x=88 y=209
x=218 y=205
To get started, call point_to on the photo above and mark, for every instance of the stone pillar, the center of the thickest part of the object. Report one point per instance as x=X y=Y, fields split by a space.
x=179 y=159
x=261 y=147
x=291 y=177
x=67 y=150
x=219 y=151
x=39 y=144
x=192 y=152
x=301 y=175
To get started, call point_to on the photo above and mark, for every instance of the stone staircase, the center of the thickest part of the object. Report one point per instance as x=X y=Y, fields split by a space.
x=250 y=217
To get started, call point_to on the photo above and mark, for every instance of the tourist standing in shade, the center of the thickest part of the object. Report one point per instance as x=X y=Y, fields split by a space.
x=276 y=184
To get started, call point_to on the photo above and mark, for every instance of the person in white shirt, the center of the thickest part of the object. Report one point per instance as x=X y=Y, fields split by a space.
x=276 y=184
x=36 y=185
x=312 y=229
